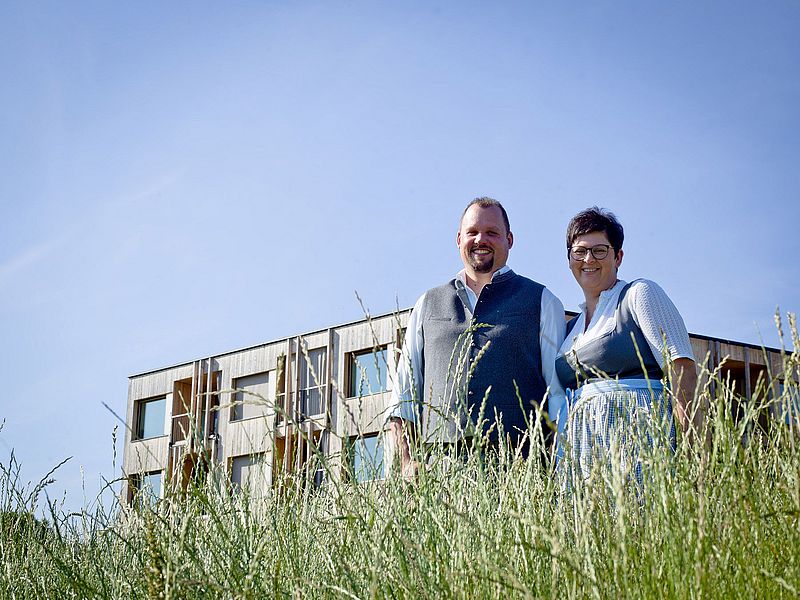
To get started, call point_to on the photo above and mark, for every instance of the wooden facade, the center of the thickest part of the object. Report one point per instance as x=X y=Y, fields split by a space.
x=300 y=398
x=304 y=411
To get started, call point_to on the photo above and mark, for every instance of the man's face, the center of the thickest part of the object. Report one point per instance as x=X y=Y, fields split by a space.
x=483 y=239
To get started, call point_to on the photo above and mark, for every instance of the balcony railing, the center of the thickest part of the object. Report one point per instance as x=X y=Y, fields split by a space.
x=312 y=402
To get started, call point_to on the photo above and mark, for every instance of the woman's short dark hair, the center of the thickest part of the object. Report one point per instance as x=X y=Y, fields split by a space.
x=596 y=219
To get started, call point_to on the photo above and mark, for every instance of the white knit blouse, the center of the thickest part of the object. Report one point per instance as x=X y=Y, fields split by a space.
x=653 y=312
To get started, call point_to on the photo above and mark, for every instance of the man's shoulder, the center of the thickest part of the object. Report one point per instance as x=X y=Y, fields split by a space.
x=523 y=282
x=445 y=288
x=528 y=281
x=439 y=294
x=550 y=302
x=433 y=293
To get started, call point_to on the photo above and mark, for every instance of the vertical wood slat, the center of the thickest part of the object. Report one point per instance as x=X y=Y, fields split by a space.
x=748 y=390
x=287 y=388
x=712 y=388
x=214 y=438
x=298 y=361
x=296 y=403
x=194 y=415
x=748 y=432
x=194 y=423
x=717 y=362
x=773 y=391
x=329 y=382
x=207 y=406
x=192 y=407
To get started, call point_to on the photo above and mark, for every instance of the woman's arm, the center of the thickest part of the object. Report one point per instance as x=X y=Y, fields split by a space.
x=661 y=323
x=688 y=407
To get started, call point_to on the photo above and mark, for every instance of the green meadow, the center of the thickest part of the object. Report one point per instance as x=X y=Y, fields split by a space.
x=723 y=522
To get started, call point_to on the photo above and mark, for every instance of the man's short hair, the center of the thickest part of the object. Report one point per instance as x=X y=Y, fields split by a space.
x=486 y=202
x=596 y=219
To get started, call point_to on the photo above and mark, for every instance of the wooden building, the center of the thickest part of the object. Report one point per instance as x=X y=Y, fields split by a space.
x=268 y=409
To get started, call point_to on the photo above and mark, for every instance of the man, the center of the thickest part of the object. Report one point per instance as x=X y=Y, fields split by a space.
x=481 y=347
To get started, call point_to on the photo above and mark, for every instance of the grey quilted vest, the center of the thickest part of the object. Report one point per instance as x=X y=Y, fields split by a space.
x=494 y=350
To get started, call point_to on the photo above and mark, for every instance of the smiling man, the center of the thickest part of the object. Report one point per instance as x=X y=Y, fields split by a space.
x=487 y=338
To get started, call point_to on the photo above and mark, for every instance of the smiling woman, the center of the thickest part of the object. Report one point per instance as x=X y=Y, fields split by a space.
x=594 y=265
x=626 y=340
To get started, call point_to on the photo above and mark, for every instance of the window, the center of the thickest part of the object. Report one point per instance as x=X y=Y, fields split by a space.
x=145 y=487
x=255 y=395
x=208 y=401
x=368 y=373
x=150 y=417
x=366 y=458
x=248 y=472
x=312 y=382
x=788 y=404
x=400 y=340
x=181 y=407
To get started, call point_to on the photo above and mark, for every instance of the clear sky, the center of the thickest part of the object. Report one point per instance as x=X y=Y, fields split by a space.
x=183 y=179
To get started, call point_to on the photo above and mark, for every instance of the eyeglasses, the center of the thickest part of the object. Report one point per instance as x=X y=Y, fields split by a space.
x=600 y=251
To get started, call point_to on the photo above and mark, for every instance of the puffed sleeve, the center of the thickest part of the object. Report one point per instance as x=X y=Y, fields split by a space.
x=657 y=316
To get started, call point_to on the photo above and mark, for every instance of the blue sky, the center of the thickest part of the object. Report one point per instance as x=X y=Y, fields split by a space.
x=184 y=179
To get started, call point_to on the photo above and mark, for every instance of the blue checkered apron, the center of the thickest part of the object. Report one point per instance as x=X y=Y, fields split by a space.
x=623 y=421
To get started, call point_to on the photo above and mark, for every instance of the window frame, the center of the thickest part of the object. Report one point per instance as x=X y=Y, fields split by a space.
x=258 y=459
x=399 y=343
x=136 y=487
x=352 y=361
x=379 y=473
x=789 y=405
x=271 y=374
x=305 y=393
x=139 y=412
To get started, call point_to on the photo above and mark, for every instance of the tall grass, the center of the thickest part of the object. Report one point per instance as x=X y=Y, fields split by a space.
x=719 y=523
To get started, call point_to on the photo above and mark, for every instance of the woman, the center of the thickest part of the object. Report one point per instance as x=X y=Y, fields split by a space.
x=616 y=353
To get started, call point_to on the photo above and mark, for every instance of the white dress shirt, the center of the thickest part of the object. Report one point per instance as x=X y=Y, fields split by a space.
x=409 y=386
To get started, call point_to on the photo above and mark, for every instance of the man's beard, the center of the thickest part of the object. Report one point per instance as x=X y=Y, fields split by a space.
x=482 y=266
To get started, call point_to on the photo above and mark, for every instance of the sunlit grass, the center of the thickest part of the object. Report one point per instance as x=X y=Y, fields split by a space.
x=722 y=523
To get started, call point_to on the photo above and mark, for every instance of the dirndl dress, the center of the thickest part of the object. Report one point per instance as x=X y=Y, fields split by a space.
x=618 y=424
x=620 y=414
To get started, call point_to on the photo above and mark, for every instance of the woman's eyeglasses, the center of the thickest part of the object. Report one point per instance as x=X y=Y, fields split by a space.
x=600 y=251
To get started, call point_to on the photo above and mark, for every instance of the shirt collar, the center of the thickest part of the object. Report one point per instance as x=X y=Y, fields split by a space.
x=462 y=274
x=605 y=294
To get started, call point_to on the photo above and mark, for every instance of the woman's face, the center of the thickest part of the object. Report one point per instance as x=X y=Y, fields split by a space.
x=595 y=276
